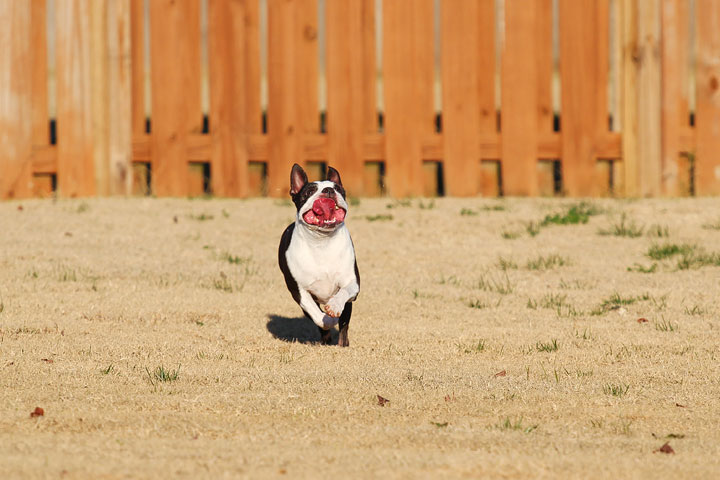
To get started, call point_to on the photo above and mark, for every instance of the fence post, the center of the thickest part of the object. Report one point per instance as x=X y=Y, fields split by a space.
x=407 y=76
x=75 y=141
x=15 y=100
x=175 y=78
x=707 y=117
x=461 y=109
x=345 y=92
x=519 y=125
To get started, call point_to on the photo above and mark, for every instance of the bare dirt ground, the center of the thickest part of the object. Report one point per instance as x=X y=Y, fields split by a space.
x=159 y=339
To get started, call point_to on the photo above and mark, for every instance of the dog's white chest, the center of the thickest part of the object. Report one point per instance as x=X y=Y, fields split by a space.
x=321 y=266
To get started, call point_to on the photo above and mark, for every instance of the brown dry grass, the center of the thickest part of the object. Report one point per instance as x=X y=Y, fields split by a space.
x=97 y=294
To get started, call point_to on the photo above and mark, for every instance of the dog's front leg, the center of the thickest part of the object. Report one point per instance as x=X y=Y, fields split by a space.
x=307 y=303
x=336 y=304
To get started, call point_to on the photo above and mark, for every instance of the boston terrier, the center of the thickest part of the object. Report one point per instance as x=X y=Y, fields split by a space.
x=317 y=256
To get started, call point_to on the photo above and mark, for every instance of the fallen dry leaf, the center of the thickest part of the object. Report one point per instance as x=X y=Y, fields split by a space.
x=382 y=401
x=501 y=373
x=38 y=412
x=20 y=208
x=48 y=360
x=666 y=448
x=642 y=320
x=681 y=406
x=68 y=234
x=449 y=398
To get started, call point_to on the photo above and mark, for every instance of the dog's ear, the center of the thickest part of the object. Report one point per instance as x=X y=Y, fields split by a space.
x=334 y=176
x=298 y=179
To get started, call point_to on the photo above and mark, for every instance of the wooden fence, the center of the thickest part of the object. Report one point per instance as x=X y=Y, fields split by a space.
x=647 y=142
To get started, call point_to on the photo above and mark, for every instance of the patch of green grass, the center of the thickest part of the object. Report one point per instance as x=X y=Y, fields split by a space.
x=665 y=325
x=467 y=212
x=478 y=304
x=714 y=225
x=426 y=206
x=225 y=213
x=83 y=207
x=378 y=218
x=551 y=346
x=659 y=231
x=532 y=228
x=668 y=250
x=403 y=202
x=624 y=228
x=440 y=424
x=202 y=217
x=66 y=274
x=532 y=304
x=162 y=374
x=223 y=283
x=106 y=371
x=495 y=284
x=235 y=259
x=472 y=347
x=637 y=267
x=695 y=310
x=575 y=214
x=547 y=263
x=516 y=425
x=494 y=208
x=553 y=300
x=616 y=390
x=282 y=202
x=506 y=264
x=354 y=201
x=615 y=301
x=698 y=258
x=451 y=280
x=510 y=235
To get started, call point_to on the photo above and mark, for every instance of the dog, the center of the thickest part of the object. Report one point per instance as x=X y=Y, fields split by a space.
x=317 y=256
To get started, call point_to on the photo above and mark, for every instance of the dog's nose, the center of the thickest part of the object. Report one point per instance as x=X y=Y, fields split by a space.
x=328 y=190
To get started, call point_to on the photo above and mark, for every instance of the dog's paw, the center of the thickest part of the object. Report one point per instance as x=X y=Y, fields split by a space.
x=329 y=322
x=334 y=308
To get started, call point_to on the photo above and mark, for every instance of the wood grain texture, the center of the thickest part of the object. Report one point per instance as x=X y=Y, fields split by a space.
x=370 y=69
x=16 y=120
x=407 y=74
x=519 y=103
x=175 y=50
x=119 y=75
x=345 y=92
x=629 y=94
x=485 y=51
x=75 y=175
x=137 y=54
x=578 y=72
x=227 y=54
x=707 y=120
x=40 y=118
x=544 y=64
x=461 y=115
x=99 y=94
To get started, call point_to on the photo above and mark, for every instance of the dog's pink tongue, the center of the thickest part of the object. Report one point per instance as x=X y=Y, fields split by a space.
x=324 y=207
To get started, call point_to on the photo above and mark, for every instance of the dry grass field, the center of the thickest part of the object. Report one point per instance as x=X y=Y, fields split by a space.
x=160 y=341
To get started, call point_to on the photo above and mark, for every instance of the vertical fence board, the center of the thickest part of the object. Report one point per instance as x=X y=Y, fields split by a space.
x=305 y=30
x=344 y=60
x=137 y=45
x=120 y=98
x=578 y=72
x=175 y=74
x=228 y=52
x=99 y=100
x=519 y=103
x=408 y=91
x=75 y=164
x=251 y=71
x=40 y=119
x=282 y=122
x=674 y=91
x=707 y=118
x=602 y=64
x=486 y=65
x=15 y=100
x=369 y=82
x=628 y=19
x=649 y=95
x=544 y=65
x=461 y=115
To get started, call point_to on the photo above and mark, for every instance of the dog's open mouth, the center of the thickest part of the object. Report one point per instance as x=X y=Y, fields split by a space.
x=325 y=213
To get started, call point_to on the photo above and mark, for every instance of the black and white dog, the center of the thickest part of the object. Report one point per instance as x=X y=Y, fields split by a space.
x=317 y=256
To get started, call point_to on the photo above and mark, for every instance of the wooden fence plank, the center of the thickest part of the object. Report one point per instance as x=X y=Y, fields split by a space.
x=707 y=118
x=486 y=65
x=99 y=94
x=602 y=65
x=75 y=176
x=40 y=118
x=544 y=64
x=407 y=90
x=649 y=95
x=345 y=65
x=137 y=45
x=175 y=74
x=16 y=132
x=370 y=70
x=628 y=105
x=251 y=69
x=120 y=98
x=461 y=115
x=519 y=103
x=674 y=96
x=578 y=72
x=227 y=52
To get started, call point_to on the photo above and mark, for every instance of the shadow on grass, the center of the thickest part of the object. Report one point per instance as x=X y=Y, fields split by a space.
x=295 y=329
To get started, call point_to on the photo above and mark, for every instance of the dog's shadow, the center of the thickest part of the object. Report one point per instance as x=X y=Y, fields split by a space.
x=295 y=329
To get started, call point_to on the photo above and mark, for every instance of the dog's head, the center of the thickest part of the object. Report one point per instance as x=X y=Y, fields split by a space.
x=321 y=206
